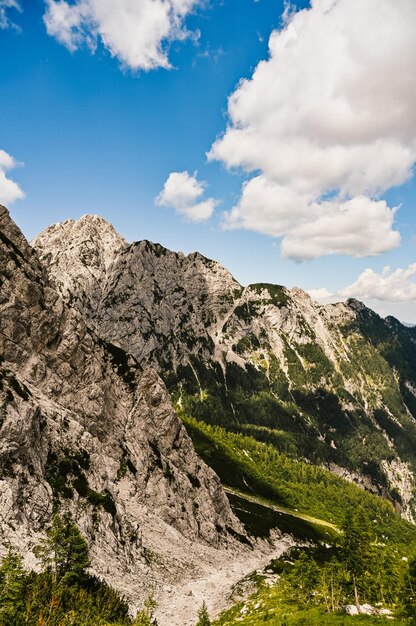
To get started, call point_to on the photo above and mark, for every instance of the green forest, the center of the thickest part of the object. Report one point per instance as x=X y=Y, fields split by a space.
x=358 y=549
x=63 y=593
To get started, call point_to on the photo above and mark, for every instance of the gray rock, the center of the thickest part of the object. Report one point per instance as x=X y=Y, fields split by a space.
x=86 y=428
x=188 y=318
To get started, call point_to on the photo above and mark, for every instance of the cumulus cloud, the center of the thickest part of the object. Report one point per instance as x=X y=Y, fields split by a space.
x=5 y=6
x=357 y=226
x=183 y=192
x=390 y=285
x=327 y=128
x=321 y=295
x=9 y=190
x=389 y=291
x=134 y=31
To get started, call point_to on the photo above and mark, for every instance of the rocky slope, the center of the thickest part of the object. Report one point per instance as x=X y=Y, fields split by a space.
x=335 y=384
x=86 y=429
x=158 y=303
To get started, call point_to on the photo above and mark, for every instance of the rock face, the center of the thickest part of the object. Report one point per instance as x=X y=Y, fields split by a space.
x=335 y=384
x=158 y=303
x=85 y=428
x=89 y=246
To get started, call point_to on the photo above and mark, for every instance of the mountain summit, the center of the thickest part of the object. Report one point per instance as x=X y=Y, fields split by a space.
x=87 y=430
x=333 y=384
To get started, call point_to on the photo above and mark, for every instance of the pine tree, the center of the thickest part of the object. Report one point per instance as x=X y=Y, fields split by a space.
x=303 y=579
x=145 y=617
x=64 y=551
x=12 y=583
x=203 y=617
x=356 y=551
x=331 y=585
x=408 y=588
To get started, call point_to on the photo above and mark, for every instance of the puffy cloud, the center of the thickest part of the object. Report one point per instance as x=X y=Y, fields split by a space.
x=182 y=192
x=134 y=31
x=358 y=226
x=329 y=127
x=5 y=6
x=321 y=295
x=389 y=285
x=9 y=190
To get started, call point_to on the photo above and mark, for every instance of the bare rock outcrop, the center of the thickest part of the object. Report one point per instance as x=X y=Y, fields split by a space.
x=86 y=429
x=338 y=378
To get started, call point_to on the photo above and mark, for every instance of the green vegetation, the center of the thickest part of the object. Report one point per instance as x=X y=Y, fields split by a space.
x=145 y=616
x=260 y=516
x=64 y=551
x=306 y=413
x=313 y=585
x=275 y=611
x=258 y=469
x=63 y=593
x=277 y=293
x=203 y=617
x=66 y=474
x=358 y=549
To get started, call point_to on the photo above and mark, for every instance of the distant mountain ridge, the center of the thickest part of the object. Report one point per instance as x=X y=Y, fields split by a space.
x=335 y=384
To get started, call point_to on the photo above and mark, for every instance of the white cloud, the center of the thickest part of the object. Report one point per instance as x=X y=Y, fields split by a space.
x=134 y=31
x=358 y=226
x=389 y=285
x=330 y=114
x=5 y=6
x=183 y=192
x=389 y=292
x=321 y=295
x=9 y=190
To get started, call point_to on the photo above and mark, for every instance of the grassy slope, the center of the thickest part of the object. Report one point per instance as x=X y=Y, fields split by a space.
x=269 y=489
x=306 y=491
x=268 y=607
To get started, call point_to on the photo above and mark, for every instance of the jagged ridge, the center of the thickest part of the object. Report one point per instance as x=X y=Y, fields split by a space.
x=86 y=429
x=335 y=384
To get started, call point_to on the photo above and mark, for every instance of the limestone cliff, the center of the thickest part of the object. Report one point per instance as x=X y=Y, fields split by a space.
x=335 y=384
x=86 y=429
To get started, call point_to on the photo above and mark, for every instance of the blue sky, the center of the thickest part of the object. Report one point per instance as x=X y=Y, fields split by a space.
x=94 y=133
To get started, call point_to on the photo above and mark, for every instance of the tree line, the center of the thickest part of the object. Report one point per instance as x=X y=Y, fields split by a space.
x=63 y=593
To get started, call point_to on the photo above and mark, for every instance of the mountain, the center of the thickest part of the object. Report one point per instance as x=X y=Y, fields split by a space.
x=334 y=384
x=87 y=429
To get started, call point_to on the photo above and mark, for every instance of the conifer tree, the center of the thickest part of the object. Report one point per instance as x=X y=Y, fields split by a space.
x=203 y=617
x=356 y=551
x=145 y=617
x=12 y=583
x=408 y=588
x=64 y=550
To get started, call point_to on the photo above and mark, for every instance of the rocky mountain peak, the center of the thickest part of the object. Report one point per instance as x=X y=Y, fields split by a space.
x=86 y=230
x=85 y=429
x=89 y=247
x=118 y=286
x=356 y=305
x=253 y=353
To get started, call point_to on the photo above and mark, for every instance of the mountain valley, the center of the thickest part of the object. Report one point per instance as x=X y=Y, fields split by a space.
x=197 y=431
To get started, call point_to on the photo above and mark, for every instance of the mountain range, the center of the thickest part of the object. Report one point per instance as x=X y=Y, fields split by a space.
x=107 y=348
x=334 y=384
